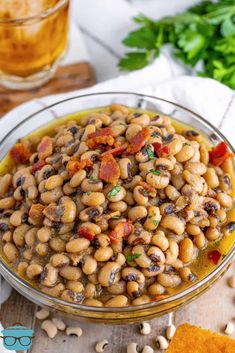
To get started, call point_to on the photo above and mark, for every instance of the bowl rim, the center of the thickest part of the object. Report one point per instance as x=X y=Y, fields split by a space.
x=195 y=287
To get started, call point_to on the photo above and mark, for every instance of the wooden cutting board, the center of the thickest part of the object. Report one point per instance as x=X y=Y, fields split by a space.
x=67 y=78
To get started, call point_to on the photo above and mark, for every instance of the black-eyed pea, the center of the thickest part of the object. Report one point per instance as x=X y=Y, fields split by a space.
x=194 y=180
x=91 y=184
x=211 y=178
x=75 y=286
x=133 y=274
x=156 y=289
x=21 y=268
x=137 y=213
x=92 y=227
x=185 y=153
x=146 y=166
x=44 y=234
x=42 y=249
x=175 y=146
x=192 y=229
x=54 y=181
x=11 y=252
x=225 y=200
x=133 y=289
x=49 y=276
x=132 y=130
x=135 y=181
x=143 y=299
x=172 y=193
x=200 y=240
x=186 y=250
x=129 y=199
x=7 y=202
x=93 y=278
x=106 y=275
x=92 y=302
x=142 y=260
x=140 y=195
x=54 y=291
x=125 y=167
x=16 y=218
x=222 y=215
x=117 y=301
x=117 y=288
x=89 y=290
x=142 y=119
x=168 y=280
x=28 y=254
x=50 y=328
x=89 y=265
x=89 y=129
x=196 y=168
x=160 y=240
x=68 y=190
x=229 y=229
x=153 y=219
x=77 y=245
x=158 y=181
x=5 y=183
x=119 y=206
x=119 y=194
x=225 y=182
x=93 y=199
x=193 y=135
x=214 y=221
x=186 y=274
x=120 y=108
x=118 y=129
x=59 y=260
x=204 y=154
x=54 y=195
x=57 y=244
x=70 y=273
x=32 y=192
x=77 y=178
x=212 y=234
x=156 y=255
x=164 y=164
x=34 y=270
x=30 y=236
x=172 y=252
x=103 y=254
x=120 y=259
x=153 y=270
x=173 y=223
x=63 y=140
x=101 y=241
x=19 y=234
x=7 y=237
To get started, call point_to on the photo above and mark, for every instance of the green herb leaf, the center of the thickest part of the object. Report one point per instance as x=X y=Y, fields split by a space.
x=155 y=172
x=94 y=179
x=150 y=152
x=130 y=258
x=114 y=191
x=186 y=144
x=115 y=217
x=156 y=222
x=134 y=61
x=88 y=193
x=98 y=151
x=143 y=38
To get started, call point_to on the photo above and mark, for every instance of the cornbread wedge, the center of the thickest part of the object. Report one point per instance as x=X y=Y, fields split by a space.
x=192 y=339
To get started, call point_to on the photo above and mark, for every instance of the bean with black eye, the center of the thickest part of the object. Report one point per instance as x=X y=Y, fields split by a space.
x=229 y=228
x=140 y=195
x=153 y=270
x=106 y=275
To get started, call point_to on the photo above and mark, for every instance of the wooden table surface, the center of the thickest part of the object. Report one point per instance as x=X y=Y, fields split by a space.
x=212 y=310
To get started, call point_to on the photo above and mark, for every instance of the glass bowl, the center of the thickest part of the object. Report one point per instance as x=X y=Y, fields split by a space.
x=132 y=313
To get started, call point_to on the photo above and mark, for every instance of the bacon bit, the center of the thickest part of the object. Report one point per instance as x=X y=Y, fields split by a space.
x=100 y=137
x=121 y=230
x=219 y=154
x=74 y=165
x=150 y=189
x=109 y=169
x=160 y=149
x=159 y=297
x=20 y=153
x=138 y=141
x=45 y=148
x=86 y=233
x=214 y=255
x=115 y=151
x=36 y=213
x=38 y=166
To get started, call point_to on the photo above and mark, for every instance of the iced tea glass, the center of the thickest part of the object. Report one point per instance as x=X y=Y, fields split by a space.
x=33 y=40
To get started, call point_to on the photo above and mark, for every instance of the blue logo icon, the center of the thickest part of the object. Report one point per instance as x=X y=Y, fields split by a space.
x=17 y=337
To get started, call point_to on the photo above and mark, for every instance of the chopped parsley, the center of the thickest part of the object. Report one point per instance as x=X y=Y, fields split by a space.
x=130 y=258
x=156 y=222
x=186 y=144
x=94 y=179
x=98 y=151
x=115 y=217
x=150 y=152
x=217 y=243
x=88 y=193
x=114 y=191
x=155 y=172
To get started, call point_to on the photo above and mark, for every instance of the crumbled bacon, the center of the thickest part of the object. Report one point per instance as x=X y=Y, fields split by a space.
x=45 y=147
x=138 y=141
x=117 y=151
x=109 y=169
x=121 y=230
x=219 y=154
x=86 y=233
x=160 y=149
x=20 y=153
x=214 y=255
x=100 y=137
x=74 y=165
x=150 y=189
x=36 y=213
x=38 y=166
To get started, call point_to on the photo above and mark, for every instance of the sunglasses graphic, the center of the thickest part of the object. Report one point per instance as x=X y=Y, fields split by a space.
x=11 y=340
x=17 y=337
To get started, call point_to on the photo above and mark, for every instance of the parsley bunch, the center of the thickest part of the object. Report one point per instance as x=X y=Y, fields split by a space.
x=204 y=32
